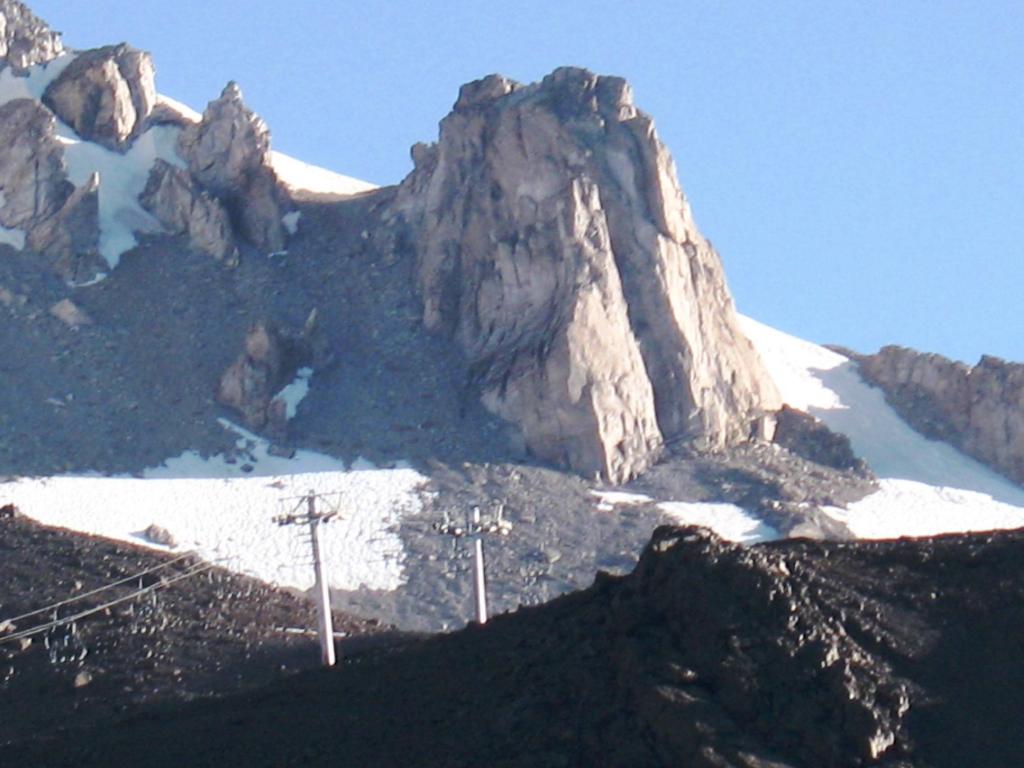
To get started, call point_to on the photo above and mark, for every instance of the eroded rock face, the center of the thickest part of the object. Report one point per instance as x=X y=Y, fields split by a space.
x=554 y=243
x=105 y=94
x=71 y=236
x=268 y=362
x=25 y=40
x=59 y=221
x=32 y=176
x=979 y=410
x=228 y=153
x=183 y=208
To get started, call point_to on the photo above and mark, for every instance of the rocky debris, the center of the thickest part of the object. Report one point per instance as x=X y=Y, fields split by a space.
x=810 y=438
x=553 y=242
x=8 y=512
x=105 y=94
x=228 y=153
x=979 y=410
x=268 y=362
x=32 y=177
x=899 y=654
x=70 y=314
x=25 y=40
x=184 y=208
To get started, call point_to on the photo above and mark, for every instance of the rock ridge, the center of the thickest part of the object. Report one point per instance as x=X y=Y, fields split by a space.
x=977 y=409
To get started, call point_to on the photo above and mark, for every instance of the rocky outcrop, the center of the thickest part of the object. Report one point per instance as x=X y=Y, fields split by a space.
x=71 y=236
x=228 y=153
x=105 y=94
x=32 y=176
x=553 y=242
x=183 y=208
x=979 y=410
x=811 y=439
x=268 y=362
x=59 y=221
x=25 y=40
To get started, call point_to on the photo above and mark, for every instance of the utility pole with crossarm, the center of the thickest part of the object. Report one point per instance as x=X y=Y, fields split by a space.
x=475 y=529
x=313 y=519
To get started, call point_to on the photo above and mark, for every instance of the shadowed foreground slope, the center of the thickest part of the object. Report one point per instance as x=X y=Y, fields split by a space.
x=794 y=653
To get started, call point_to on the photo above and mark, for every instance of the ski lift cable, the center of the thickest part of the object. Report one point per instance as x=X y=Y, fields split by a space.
x=124 y=598
x=92 y=592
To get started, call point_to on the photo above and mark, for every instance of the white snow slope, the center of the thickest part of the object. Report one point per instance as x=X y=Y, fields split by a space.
x=224 y=513
x=927 y=487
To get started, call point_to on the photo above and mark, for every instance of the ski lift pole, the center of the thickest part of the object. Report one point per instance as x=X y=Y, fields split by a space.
x=321 y=589
x=479 y=575
x=323 y=595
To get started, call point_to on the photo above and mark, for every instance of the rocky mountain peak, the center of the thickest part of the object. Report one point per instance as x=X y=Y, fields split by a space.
x=25 y=39
x=554 y=243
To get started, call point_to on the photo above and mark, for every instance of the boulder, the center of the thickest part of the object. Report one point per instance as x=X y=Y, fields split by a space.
x=25 y=40
x=70 y=314
x=33 y=182
x=228 y=153
x=811 y=439
x=267 y=363
x=105 y=94
x=184 y=208
x=979 y=410
x=554 y=243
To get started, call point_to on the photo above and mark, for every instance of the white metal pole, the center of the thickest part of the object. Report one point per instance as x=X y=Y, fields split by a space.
x=323 y=597
x=479 y=580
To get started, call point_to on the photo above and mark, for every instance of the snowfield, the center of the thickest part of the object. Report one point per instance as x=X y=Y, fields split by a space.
x=926 y=487
x=226 y=514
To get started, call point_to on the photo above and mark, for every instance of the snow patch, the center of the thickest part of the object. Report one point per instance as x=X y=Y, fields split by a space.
x=908 y=508
x=302 y=177
x=226 y=514
x=728 y=521
x=294 y=393
x=184 y=110
x=12 y=237
x=291 y=221
x=608 y=500
x=122 y=179
x=35 y=82
x=231 y=519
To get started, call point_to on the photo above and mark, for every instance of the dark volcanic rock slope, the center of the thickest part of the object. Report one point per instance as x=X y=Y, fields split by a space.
x=800 y=654
x=208 y=634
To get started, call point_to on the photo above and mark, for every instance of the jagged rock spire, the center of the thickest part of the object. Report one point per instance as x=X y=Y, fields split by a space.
x=555 y=244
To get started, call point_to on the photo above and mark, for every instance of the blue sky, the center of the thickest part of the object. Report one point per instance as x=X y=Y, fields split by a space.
x=858 y=165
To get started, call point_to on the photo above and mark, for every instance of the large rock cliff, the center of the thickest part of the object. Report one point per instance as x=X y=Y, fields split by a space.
x=554 y=243
x=979 y=409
